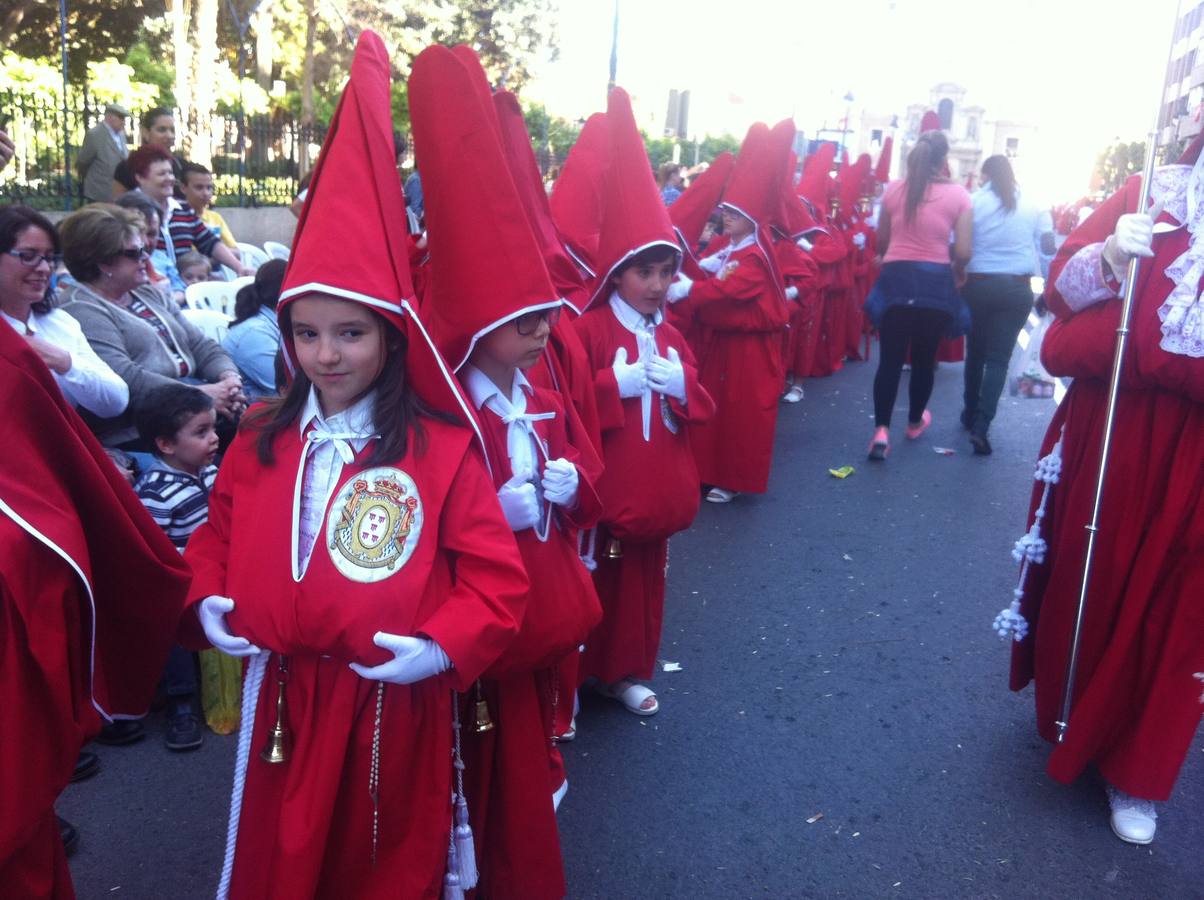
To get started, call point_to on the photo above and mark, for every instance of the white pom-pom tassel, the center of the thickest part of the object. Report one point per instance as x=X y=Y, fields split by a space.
x=1049 y=468
x=1031 y=546
x=1010 y=623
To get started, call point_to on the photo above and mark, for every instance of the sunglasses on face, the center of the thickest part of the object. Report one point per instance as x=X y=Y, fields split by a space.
x=32 y=257
x=528 y=323
x=135 y=253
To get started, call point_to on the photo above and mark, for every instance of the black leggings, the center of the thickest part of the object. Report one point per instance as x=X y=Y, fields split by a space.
x=901 y=327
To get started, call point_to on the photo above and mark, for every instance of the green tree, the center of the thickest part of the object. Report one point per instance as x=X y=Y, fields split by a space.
x=1118 y=162
x=96 y=29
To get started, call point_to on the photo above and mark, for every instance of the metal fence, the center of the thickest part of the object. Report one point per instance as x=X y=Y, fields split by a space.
x=258 y=164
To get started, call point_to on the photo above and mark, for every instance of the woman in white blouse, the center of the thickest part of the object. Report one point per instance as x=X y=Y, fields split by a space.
x=29 y=254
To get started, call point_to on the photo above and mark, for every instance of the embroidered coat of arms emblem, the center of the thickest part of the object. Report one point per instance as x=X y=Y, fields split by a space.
x=374 y=524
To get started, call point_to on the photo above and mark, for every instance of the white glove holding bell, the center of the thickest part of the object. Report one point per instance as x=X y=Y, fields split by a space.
x=414 y=659
x=1133 y=236
x=560 y=480
x=791 y=292
x=679 y=289
x=711 y=264
x=668 y=376
x=212 y=613
x=630 y=377
x=520 y=506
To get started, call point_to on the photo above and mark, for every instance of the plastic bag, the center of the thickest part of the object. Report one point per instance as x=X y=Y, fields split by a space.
x=1026 y=376
x=221 y=690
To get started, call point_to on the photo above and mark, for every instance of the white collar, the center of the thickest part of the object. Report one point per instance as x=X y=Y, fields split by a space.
x=746 y=241
x=20 y=327
x=356 y=419
x=482 y=389
x=630 y=317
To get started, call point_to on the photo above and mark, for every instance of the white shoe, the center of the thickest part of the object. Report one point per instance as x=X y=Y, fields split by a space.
x=794 y=395
x=1133 y=819
x=720 y=495
x=558 y=795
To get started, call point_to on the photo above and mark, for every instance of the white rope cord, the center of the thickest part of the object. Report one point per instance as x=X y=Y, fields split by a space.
x=250 y=700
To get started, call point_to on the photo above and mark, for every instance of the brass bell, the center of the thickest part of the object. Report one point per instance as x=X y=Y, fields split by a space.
x=484 y=722
x=277 y=749
x=614 y=550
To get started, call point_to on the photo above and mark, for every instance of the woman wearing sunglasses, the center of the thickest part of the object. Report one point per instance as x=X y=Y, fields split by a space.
x=134 y=327
x=29 y=255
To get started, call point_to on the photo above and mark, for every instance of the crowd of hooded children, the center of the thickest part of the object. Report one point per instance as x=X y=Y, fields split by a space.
x=457 y=512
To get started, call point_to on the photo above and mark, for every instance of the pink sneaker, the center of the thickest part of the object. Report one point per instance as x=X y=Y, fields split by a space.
x=914 y=431
x=879 y=444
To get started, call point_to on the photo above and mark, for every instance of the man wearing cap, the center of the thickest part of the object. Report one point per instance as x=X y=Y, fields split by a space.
x=104 y=147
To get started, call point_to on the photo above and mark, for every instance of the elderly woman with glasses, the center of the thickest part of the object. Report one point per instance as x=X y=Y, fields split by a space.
x=29 y=254
x=132 y=324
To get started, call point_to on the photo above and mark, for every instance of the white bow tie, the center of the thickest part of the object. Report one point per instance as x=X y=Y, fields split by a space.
x=339 y=439
x=520 y=432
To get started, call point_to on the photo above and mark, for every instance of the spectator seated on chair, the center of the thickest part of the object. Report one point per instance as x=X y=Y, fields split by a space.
x=133 y=325
x=254 y=339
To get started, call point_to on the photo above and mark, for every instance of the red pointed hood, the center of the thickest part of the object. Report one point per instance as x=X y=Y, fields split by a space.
x=750 y=188
x=882 y=170
x=795 y=219
x=852 y=182
x=486 y=266
x=816 y=183
x=351 y=240
x=930 y=122
x=576 y=200
x=634 y=217
x=690 y=211
x=565 y=274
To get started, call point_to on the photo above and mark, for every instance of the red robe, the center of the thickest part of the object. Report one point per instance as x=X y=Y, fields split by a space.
x=90 y=596
x=828 y=251
x=649 y=492
x=453 y=576
x=507 y=780
x=1137 y=695
x=801 y=272
x=741 y=314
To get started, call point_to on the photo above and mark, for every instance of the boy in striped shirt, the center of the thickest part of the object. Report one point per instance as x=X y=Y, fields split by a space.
x=178 y=421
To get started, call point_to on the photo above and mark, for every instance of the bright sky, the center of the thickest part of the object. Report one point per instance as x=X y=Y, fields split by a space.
x=1084 y=72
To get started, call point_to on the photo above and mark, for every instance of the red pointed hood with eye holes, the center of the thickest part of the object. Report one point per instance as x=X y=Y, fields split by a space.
x=634 y=217
x=486 y=264
x=351 y=240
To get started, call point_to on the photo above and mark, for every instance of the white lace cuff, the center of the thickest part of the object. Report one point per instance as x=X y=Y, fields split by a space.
x=1082 y=281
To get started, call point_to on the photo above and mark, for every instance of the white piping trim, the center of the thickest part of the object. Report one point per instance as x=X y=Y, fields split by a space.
x=59 y=551
x=681 y=255
x=735 y=208
x=319 y=287
x=558 y=301
x=452 y=383
x=589 y=270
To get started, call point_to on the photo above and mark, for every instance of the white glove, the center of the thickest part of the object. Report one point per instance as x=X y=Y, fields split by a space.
x=212 y=613
x=520 y=506
x=805 y=244
x=413 y=659
x=859 y=240
x=667 y=376
x=679 y=289
x=711 y=264
x=1133 y=236
x=560 y=481
x=631 y=378
x=791 y=292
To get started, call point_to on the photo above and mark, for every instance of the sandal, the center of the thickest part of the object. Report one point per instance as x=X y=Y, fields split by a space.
x=570 y=733
x=632 y=695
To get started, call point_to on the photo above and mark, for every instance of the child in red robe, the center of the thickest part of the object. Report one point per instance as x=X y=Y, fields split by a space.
x=741 y=311
x=493 y=308
x=353 y=535
x=648 y=392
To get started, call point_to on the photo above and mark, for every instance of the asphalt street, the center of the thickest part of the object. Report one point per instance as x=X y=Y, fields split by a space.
x=840 y=725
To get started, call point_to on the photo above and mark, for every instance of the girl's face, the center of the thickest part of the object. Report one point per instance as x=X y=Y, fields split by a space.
x=159 y=181
x=643 y=286
x=162 y=132
x=340 y=346
x=195 y=274
x=23 y=285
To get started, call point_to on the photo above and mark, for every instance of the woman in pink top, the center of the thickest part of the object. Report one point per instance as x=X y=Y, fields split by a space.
x=915 y=300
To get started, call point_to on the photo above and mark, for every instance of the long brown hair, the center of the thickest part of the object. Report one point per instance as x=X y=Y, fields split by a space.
x=925 y=164
x=398 y=410
x=998 y=171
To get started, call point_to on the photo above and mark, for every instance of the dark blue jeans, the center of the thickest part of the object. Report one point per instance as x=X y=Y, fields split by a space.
x=999 y=306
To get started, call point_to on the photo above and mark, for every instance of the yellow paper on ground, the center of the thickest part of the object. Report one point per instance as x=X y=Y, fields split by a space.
x=842 y=472
x=221 y=690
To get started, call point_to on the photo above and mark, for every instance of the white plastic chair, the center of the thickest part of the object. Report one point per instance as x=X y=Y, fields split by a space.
x=275 y=250
x=212 y=323
x=214 y=295
x=251 y=255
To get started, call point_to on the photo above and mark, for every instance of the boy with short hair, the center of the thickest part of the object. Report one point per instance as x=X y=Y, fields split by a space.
x=179 y=422
x=193 y=267
x=197 y=183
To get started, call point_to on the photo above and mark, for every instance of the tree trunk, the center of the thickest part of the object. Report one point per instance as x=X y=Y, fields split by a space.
x=307 y=87
x=182 y=52
x=265 y=44
x=199 y=140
